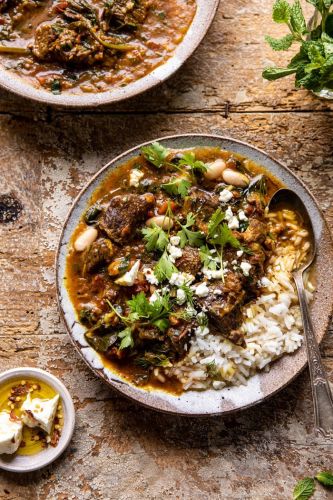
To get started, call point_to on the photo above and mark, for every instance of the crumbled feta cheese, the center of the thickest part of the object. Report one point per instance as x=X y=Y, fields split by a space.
x=211 y=274
x=264 y=282
x=241 y=215
x=234 y=262
x=245 y=267
x=150 y=276
x=201 y=290
x=233 y=223
x=129 y=278
x=228 y=214
x=155 y=296
x=225 y=196
x=10 y=433
x=239 y=253
x=181 y=296
x=174 y=252
x=175 y=240
x=135 y=177
x=217 y=291
x=179 y=279
x=39 y=412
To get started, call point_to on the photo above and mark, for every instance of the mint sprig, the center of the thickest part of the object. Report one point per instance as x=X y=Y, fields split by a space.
x=313 y=64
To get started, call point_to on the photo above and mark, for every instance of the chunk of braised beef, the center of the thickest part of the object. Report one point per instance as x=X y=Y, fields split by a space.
x=203 y=202
x=100 y=252
x=71 y=43
x=178 y=337
x=125 y=13
x=223 y=306
x=255 y=232
x=124 y=214
x=150 y=333
x=190 y=261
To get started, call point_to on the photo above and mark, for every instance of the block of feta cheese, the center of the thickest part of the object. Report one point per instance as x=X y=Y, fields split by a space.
x=39 y=412
x=10 y=433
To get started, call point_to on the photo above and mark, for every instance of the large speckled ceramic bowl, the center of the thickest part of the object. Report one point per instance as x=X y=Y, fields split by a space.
x=262 y=385
x=203 y=18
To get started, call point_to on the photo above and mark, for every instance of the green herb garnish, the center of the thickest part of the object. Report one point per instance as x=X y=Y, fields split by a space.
x=155 y=153
x=177 y=187
x=196 y=166
x=126 y=338
x=156 y=238
x=313 y=64
x=187 y=236
x=164 y=269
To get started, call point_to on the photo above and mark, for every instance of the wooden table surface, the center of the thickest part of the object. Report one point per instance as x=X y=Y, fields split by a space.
x=119 y=450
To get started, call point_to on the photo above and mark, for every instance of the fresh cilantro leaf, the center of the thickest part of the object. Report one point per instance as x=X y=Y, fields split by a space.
x=161 y=324
x=187 y=236
x=297 y=20
x=281 y=11
x=127 y=339
x=155 y=238
x=280 y=43
x=325 y=478
x=215 y=221
x=225 y=237
x=207 y=258
x=177 y=187
x=156 y=312
x=139 y=306
x=164 y=269
x=196 y=166
x=304 y=489
x=155 y=153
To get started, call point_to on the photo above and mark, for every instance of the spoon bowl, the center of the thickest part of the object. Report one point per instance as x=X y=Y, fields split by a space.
x=321 y=392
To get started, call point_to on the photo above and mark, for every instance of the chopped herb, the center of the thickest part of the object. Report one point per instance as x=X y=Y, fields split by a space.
x=215 y=221
x=91 y=215
x=164 y=269
x=325 y=478
x=101 y=343
x=56 y=87
x=304 y=489
x=177 y=187
x=212 y=369
x=187 y=236
x=155 y=238
x=152 y=359
x=156 y=154
x=126 y=338
x=196 y=166
x=207 y=258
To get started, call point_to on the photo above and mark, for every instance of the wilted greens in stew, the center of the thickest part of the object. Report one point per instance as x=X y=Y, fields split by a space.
x=173 y=240
x=85 y=46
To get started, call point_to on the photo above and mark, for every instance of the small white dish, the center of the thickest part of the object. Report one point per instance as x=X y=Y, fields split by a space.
x=21 y=463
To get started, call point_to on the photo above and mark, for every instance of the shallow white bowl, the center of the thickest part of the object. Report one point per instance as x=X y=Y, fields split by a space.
x=20 y=463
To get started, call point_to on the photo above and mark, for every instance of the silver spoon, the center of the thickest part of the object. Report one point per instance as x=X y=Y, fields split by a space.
x=321 y=392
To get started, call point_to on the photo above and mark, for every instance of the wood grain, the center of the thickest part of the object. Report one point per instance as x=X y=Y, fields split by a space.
x=120 y=451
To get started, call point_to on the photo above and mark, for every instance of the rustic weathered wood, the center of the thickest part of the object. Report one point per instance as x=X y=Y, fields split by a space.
x=120 y=451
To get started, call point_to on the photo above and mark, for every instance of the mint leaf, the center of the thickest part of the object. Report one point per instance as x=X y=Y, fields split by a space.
x=297 y=20
x=325 y=478
x=281 y=11
x=304 y=489
x=272 y=73
x=155 y=153
x=280 y=43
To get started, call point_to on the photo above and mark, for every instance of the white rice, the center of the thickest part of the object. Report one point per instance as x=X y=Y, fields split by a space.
x=272 y=327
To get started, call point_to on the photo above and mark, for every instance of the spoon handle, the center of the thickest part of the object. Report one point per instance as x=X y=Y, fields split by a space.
x=321 y=392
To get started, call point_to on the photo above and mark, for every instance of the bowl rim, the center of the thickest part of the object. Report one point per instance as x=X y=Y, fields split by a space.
x=118 y=387
x=201 y=23
x=16 y=463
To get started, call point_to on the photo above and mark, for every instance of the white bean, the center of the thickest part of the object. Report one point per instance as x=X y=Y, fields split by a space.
x=215 y=169
x=85 y=239
x=235 y=178
x=160 y=220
